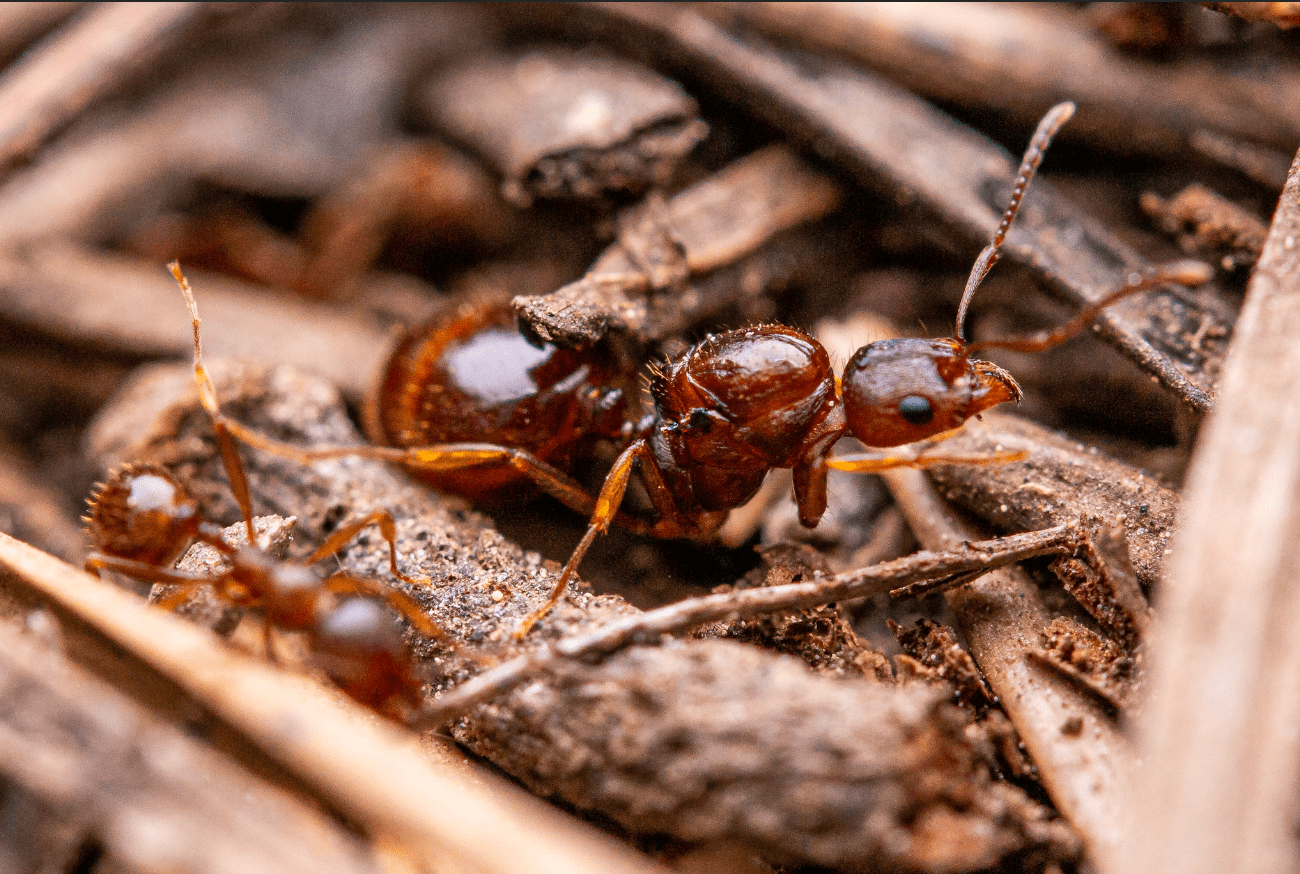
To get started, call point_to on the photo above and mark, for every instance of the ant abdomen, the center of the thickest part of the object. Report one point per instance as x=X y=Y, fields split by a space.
x=364 y=653
x=904 y=390
x=141 y=513
x=473 y=378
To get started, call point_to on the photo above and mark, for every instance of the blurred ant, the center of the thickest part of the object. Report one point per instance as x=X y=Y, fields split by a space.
x=471 y=407
x=142 y=521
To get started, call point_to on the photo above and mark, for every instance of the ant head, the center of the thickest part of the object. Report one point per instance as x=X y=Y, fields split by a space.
x=142 y=513
x=901 y=391
x=748 y=393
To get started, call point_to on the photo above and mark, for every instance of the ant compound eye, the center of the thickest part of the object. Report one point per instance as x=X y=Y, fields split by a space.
x=916 y=409
x=701 y=421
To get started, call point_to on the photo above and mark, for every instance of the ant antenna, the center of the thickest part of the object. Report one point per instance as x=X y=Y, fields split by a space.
x=1047 y=128
x=1189 y=273
x=208 y=397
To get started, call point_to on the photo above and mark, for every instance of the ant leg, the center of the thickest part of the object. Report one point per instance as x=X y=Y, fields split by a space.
x=862 y=463
x=344 y=584
x=142 y=571
x=607 y=503
x=268 y=641
x=387 y=527
x=220 y=425
x=445 y=456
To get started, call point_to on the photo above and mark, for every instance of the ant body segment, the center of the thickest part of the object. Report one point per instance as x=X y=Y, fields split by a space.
x=141 y=521
x=727 y=411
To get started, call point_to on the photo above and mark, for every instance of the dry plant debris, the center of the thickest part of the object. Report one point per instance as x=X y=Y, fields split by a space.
x=560 y=123
x=1207 y=222
x=90 y=773
x=940 y=171
x=678 y=262
x=636 y=178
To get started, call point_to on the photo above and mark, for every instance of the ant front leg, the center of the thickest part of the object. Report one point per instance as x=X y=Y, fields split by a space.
x=869 y=463
x=387 y=528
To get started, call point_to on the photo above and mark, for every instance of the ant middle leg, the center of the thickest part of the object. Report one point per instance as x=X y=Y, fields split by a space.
x=671 y=523
x=142 y=571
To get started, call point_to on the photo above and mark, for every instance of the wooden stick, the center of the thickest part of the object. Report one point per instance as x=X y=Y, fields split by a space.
x=1219 y=738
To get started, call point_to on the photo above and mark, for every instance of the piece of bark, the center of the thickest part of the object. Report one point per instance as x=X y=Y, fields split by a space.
x=559 y=122
x=940 y=657
x=150 y=797
x=1105 y=584
x=97 y=299
x=656 y=278
x=1060 y=481
x=378 y=779
x=79 y=63
x=1207 y=223
x=1018 y=60
x=252 y=118
x=1002 y=618
x=1218 y=791
x=702 y=740
x=1097 y=664
x=932 y=166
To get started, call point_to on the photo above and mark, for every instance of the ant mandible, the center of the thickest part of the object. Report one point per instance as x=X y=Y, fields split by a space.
x=727 y=411
x=141 y=521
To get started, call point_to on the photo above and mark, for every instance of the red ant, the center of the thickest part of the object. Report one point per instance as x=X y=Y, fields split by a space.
x=142 y=521
x=725 y=413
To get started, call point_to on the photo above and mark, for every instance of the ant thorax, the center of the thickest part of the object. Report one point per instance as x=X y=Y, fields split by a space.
x=735 y=406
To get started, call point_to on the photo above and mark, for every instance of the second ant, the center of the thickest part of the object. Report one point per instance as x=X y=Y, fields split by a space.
x=468 y=405
x=141 y=521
